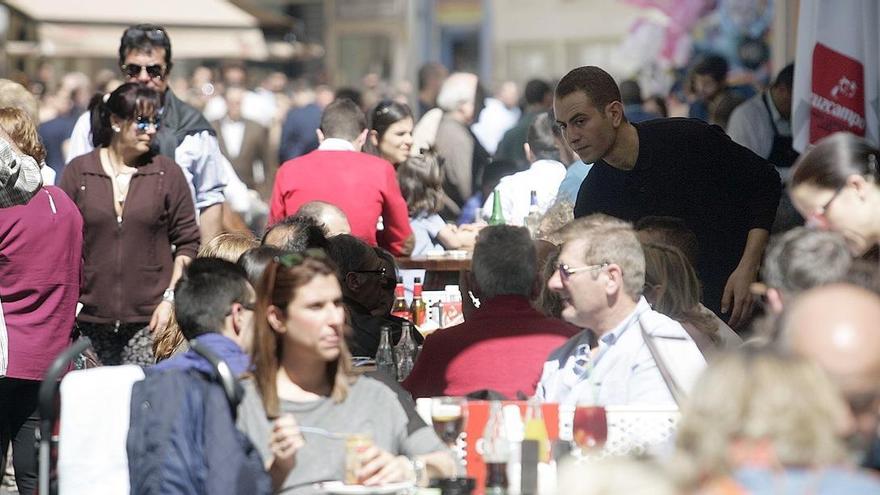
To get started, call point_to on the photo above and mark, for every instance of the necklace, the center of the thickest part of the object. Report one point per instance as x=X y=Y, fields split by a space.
x=121 y=177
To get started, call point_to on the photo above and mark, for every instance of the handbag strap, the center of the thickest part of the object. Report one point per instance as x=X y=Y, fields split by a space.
x=678 y=394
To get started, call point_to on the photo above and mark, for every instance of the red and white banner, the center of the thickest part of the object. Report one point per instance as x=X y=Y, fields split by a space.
x=837 y=70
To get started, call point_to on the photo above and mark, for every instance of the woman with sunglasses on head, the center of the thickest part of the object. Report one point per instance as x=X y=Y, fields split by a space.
x=135 y=205
x=836 y=186
x=391 y=127
x=304 y=401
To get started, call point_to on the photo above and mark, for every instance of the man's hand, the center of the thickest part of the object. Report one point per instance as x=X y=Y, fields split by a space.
x=738 y=296
x=380 y=467
x=161 y=317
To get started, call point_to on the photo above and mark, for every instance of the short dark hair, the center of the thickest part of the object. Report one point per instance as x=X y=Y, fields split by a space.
x=205 y=292
x=714 y=66
x=421 y=183
x=597 y=84
x=255 y=260
x=671 y=231
x=505 y=261
x=343 y=119
x=536 y=91
x=144 y=38
x=631 y=92
x=349 y=253
x=385 y=113
x=803 y=258
x=302 y=233
x=127 y=102
x=541 y=138
x=348 y=93
x=785 y=78
x=429 y=71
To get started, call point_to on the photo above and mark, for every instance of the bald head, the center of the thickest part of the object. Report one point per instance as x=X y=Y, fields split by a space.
x=838 y=326
x=330 y=216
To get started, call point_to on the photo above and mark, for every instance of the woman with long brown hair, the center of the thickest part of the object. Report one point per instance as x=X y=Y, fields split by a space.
x=302 y=378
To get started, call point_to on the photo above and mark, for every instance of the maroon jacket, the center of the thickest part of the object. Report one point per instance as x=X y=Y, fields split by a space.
x=501 y=347
x=128 y=263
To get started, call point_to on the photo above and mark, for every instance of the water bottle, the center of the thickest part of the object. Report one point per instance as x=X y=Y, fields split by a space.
x=385 y=354
x=404 y=353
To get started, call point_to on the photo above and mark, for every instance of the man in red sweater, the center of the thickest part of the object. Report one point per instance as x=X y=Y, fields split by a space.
x=363 y=186
x=503 y=345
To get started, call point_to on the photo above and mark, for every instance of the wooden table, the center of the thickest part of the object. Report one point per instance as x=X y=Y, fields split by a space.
x=439 y=271
x=435 y=263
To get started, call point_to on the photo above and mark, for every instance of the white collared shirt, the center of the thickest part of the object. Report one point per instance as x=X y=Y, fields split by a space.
x=623 y=371
x=336 y=144
x=233 y=135
x=543 y=177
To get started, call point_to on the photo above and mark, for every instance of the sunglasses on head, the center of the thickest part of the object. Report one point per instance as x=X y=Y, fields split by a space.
x=293 y=259
x=144 y=123
x=155 y=71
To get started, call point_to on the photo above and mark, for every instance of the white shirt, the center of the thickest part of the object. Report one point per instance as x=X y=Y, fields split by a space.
x=750 y=127
x=543 y=177
x=495 y=120
x=623 y=371
x=198 y=156
x=233 y=135
x=336 y=144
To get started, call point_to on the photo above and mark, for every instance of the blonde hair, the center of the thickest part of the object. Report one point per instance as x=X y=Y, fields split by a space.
x=15 y=95
x=669 y=268
x=228 y=246
x=610 y=240
x=22 y=129
x=614 y=476
x=759 y=395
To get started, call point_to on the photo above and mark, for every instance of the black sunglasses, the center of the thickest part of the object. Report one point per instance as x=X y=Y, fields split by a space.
x=155 y=71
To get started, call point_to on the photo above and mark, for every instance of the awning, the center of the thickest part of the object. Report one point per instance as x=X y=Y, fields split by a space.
x=92 y=28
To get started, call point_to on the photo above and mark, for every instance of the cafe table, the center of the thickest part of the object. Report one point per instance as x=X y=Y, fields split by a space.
x=440 y=271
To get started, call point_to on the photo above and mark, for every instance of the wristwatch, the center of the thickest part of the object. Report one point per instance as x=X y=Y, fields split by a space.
x=168 y=295
x=420 y=471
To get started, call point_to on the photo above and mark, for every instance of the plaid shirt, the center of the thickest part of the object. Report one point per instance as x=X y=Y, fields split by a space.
x=20 y=177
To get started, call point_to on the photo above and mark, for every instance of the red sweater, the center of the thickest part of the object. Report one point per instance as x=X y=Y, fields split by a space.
x=501 y=347
x=361 y=185
x=40 y=268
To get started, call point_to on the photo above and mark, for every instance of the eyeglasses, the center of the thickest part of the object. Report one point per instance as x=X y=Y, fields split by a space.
x=144 y=124
x=155 y=71
x=565 y=271
x=819 y=217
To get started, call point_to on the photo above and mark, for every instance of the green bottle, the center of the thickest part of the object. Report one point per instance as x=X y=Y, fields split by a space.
x=497 y=217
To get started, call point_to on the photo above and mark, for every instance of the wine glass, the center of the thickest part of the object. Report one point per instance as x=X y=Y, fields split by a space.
x=590 y=427
x=449 y=415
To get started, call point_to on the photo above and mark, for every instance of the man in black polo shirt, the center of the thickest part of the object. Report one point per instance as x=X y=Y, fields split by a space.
x=682 y=168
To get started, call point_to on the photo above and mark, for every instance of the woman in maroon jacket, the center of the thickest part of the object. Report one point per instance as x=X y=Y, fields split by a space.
x=140 y=228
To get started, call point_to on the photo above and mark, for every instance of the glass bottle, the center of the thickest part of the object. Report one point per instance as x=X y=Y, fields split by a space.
x=534 y=217
x=496 y=451
x=418 y=309
x=400 y=309
x=404 y=353
x=497 y=217
x=536 y=429
x=385 y=354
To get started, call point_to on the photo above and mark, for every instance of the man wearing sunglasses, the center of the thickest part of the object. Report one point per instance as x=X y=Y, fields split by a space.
x=627 y=353
x=184 y=135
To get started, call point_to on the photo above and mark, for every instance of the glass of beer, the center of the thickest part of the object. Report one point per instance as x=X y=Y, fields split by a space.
x=448 y=415
x=355 y=445
x=590 y=427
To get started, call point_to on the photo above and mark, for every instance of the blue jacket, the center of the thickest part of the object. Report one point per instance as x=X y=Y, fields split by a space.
x=223 y=347
x=182 y=439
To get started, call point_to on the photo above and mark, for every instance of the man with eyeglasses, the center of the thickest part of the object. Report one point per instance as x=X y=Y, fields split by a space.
x=184 y=136
x=365 y=282
x=627 y=354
